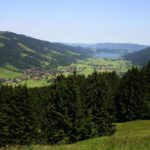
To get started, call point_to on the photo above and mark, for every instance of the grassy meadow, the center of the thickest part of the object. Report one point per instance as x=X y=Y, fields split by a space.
x=35 y=83
x=5 y=73
x=134 y=135
x=87 y=66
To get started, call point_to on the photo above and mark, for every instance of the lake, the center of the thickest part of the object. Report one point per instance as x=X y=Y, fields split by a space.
x=108 y=55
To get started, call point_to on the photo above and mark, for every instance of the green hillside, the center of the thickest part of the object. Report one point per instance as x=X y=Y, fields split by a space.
x=24 y=52
x=133 y=135
x=139 y=58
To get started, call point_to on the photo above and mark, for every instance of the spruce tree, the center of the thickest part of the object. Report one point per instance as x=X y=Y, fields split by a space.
x=131 y=98
x=100 y=103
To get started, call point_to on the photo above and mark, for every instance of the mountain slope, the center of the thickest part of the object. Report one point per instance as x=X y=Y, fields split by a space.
x=22 y=52
x=140 y=58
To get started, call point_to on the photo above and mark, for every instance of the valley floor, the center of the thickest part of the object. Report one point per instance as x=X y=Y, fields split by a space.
x=134 y=135
x=38 y=78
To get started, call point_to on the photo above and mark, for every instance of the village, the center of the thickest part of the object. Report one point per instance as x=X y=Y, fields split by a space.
x=38 y=74
x=50 y=75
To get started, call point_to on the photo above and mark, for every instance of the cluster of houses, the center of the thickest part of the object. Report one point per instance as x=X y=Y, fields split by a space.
x=35 y=74
x=2 y=80
x=9 y=80
x=38 y=74
x=109 y=66
x=71 y=69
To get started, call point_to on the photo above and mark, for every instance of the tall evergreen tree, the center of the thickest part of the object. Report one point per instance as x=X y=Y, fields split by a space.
x=5 y=98
x=146 y=74
x=131 y=98
x=100 y=103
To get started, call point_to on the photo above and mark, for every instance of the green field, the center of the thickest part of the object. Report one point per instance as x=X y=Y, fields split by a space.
x=35 y=83
x=5 y=73
x=87 y=66
x=133 y=135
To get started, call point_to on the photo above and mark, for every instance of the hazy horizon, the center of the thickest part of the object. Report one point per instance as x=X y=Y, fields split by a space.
x=77 y=42
x=86 y=21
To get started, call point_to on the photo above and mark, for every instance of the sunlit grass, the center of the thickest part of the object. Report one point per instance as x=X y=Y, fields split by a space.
x=25 y=47
x=5 y=73
x=133 y=135
x=35 y=83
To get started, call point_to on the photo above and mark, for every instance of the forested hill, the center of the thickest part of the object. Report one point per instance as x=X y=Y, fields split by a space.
x=140 y=58
x=22 y=52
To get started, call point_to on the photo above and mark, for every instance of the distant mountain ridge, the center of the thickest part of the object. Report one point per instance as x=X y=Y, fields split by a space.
x=140 y=58
x=23 y=52
x=19 y=52
x=124 y=46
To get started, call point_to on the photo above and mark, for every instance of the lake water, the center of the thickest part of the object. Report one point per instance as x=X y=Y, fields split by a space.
x=107 y=55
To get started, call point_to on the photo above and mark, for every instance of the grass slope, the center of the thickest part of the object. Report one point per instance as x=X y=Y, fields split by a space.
x=5 y=73
x=35 y=83
x=133 y=135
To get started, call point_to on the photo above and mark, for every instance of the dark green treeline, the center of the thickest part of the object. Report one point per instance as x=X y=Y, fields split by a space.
x=73 y=108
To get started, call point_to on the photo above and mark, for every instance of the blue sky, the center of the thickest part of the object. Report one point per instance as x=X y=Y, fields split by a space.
x=84 y=21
